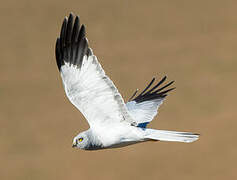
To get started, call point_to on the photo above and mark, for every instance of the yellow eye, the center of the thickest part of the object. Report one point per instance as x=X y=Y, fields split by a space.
x=80 y=139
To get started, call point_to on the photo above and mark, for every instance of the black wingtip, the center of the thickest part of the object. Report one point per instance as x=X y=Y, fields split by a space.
x=58 y=54
x=153 y=93
x=72 y=44
x=134 y=94
x=71 y=14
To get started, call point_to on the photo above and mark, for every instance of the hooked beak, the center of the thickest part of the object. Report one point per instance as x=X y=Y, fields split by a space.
x=74 y=145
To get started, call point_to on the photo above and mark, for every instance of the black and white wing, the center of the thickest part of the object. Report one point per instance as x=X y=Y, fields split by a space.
x=144 y=107
x=85 y=82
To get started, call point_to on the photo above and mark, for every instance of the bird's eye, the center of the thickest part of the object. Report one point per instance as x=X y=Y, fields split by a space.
x=80 y=139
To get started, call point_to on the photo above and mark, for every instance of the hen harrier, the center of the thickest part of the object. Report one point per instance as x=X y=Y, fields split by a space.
x=112 y=122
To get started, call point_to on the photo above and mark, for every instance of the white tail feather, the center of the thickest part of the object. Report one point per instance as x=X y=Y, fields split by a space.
x=162 y=135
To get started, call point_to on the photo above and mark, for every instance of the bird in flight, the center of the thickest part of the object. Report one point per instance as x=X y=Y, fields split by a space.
x=112 y=123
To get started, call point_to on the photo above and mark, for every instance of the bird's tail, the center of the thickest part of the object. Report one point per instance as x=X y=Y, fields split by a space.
x=162 y=135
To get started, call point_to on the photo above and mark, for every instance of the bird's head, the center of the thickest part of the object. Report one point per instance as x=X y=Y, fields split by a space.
x=80 y=141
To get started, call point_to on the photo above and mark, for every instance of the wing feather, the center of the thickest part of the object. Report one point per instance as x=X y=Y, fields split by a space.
x=144 y=107
x=85 y=82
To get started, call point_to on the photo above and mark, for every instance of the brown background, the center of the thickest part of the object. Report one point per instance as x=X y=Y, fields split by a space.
x=193 y=42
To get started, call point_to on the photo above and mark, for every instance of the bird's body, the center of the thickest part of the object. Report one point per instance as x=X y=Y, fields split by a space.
x=116 y=136
x=112 y=122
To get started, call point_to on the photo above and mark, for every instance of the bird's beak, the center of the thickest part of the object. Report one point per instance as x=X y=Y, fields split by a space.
x=74 y=145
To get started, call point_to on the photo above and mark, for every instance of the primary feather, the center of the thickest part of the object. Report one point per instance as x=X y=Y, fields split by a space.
x=144 y=107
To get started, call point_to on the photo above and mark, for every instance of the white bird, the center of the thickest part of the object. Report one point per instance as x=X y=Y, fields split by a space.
x=112 y=122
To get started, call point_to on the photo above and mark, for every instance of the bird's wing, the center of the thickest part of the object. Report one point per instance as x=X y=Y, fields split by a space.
x=85 y=82
x=144 y=107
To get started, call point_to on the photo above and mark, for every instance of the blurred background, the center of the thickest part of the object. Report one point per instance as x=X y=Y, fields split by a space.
x=192 y=42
